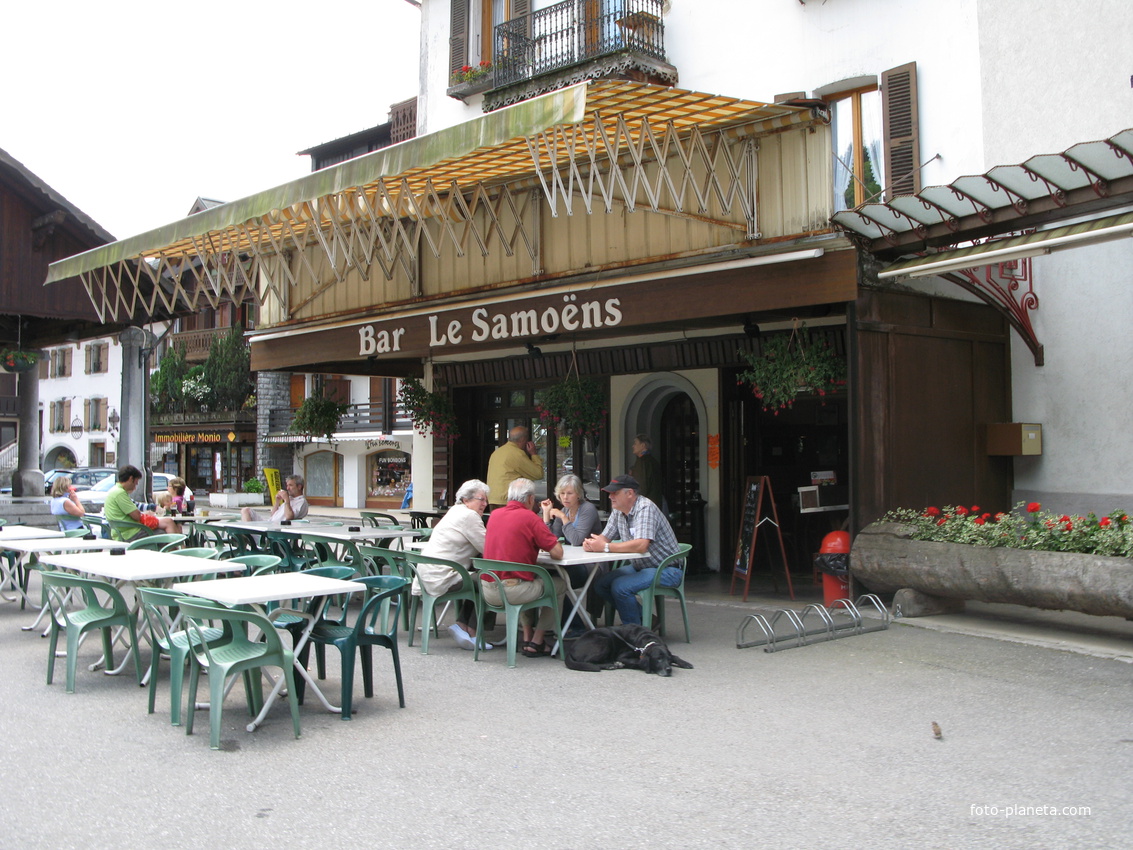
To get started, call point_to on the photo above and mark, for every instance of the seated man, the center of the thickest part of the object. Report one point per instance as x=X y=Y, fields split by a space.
x=290 y=503
x=120 y=507
x=516 y=533
x=635 y=525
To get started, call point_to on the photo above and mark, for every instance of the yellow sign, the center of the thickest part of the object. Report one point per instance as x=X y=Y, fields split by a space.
x=274 y=482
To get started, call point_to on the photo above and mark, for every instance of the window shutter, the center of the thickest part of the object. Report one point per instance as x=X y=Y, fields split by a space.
x=67 y=352
x=89 y=353
x=458 y=37
x=102 y=409
x=51 y=417
x=519 y=8
x=66 y=420
x=900 y=130
x=86 y=414
x=44 y=367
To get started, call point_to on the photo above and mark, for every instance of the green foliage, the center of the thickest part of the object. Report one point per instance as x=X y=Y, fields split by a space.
x=576 y=406
x=1026 y=527
x=788 y=363
x=430 y=411
x=165 y=384
x=18 y=360
x=228 y=370
x=253 y=485
x=318 y=416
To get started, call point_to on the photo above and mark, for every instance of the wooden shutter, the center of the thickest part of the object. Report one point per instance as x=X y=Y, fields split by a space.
x=88 y=353
x=900 y=130
x=44 y=367
x=86 y=414
x=103 y=409
x=66 y=423
x=458 y=37
x=68 y=353
x=51 y=417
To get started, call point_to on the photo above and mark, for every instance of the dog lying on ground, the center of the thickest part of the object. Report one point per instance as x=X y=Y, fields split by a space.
x=631 y=647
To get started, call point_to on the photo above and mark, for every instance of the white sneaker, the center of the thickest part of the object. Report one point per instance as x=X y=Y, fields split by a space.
x=462 y=638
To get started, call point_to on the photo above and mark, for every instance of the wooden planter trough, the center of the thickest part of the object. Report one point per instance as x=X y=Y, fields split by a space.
x=886 y=560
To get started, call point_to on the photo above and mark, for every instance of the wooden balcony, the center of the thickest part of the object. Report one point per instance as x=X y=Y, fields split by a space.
x=358 y=417
x=196 y=343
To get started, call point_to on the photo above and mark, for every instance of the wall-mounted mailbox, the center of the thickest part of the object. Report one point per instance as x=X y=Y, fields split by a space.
x=1014 y=438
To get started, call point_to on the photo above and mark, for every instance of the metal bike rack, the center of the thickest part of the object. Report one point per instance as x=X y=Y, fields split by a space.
x=813 y=624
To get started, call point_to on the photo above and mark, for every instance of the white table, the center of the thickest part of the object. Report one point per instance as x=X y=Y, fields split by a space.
x=576 y=555
x=138 y=566
x=274 y=587
x=33 y=548
x=11 y=533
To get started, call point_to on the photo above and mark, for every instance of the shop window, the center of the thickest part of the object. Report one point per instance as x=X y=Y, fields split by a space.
x=387 y=475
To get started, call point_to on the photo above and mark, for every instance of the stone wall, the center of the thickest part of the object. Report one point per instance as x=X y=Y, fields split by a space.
x=273 y=392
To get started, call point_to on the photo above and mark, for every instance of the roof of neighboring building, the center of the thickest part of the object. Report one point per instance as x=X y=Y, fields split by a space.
x=17 y=171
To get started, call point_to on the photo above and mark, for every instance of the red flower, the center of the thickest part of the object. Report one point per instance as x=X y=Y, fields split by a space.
x=975 y=509
x=961 y=510
x=979 y=520
x=1068 y=525
x=1104 y=522
x=932 y=512
x=999 y=516
x=1034 y=508
x=987 y=516
x=1064 y=518
x=942 y=520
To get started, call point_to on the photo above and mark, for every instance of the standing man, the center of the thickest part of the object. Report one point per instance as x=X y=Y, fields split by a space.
x=647 y=469
x=636 y=524
x=290 y=503
x=516 y=533
x=517 y=458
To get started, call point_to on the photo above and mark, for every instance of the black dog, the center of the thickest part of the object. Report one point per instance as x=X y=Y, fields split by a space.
x=632 y=646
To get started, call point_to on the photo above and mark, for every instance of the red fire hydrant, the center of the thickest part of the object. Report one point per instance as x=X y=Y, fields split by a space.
x=835 y=580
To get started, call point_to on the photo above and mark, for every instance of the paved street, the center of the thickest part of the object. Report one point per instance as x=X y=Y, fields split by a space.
x=829 y=745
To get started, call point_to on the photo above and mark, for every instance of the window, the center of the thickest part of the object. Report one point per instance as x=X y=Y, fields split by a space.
x=875 y=138
x=94 y=414
x=97 y=355
x=60 y=362
x=59 y=416
x=473 y=28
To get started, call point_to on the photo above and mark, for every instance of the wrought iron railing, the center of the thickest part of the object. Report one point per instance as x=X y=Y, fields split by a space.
x=575 y=31
x=358 y=417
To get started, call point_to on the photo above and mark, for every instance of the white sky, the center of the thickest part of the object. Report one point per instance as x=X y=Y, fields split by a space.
x=131 y=110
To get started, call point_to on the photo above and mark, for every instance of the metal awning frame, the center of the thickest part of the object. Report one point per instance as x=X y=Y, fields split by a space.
x=600 y=143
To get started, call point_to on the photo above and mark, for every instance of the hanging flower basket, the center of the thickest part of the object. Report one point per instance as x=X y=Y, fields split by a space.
x=430 y=411
x=575 y=407
x=317 y=416
x=789 y=364
x=18 y=360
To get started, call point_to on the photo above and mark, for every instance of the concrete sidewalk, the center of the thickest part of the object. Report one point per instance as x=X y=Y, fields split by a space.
x=829 y=745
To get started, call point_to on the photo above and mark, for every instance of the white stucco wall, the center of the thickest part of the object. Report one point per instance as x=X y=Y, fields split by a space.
x=78 y=387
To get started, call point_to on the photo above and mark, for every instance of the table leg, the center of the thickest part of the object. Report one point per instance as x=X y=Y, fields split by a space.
x=578 y=609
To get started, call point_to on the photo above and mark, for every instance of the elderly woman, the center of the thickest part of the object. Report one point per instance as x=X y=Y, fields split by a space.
x=576 y=521
x=459 y=536
x=65 y=504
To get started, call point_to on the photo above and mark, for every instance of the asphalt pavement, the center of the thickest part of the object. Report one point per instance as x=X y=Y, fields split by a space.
x=828 y=745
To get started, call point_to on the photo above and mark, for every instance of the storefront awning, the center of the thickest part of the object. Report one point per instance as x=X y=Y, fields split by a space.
x=366 y=209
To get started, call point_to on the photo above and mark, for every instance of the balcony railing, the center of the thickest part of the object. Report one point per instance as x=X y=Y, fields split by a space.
x=358 y=417
x=576 y=31
x=196 y=343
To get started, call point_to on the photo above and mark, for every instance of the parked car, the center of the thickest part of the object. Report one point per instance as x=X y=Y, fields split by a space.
x=96 y=495
x=82 y=477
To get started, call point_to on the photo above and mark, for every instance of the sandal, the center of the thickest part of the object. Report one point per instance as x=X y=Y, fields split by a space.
x=535 y=650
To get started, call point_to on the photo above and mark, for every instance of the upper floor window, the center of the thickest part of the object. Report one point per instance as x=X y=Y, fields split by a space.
x=875 y=138
x=473 y=28
x=94 y=415
x=97 y=357
x=60 y=362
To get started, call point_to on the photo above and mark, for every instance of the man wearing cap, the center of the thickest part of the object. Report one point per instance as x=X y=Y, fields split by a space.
x=636 y=524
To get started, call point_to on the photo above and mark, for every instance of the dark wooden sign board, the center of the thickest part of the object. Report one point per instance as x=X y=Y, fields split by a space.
x=756 y=490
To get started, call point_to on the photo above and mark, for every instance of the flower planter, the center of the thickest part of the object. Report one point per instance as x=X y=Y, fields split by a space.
x=236 y=500
x=460 y=91
x=885 y=560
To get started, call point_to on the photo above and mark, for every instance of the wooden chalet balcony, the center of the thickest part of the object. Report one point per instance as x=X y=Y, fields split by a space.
x=358 y=417
x=196 y=343
x=245 y=418
x=577 y=34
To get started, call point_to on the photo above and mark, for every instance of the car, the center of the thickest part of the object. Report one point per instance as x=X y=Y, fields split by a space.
x=96 y=495
x=82 y=477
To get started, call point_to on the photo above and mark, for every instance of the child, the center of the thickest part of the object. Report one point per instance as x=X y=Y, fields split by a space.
x=164 y=503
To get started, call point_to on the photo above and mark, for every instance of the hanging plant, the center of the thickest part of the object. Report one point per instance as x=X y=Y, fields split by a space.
x=18 y=360
x=575 y=407
x=317 y=416
x=788 y=364
x=430 y=411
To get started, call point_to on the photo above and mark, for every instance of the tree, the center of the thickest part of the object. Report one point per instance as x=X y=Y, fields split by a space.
x=228 y=370
x=165 y=384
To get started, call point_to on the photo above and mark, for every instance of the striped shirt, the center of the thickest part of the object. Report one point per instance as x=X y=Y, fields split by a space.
x=644 y=522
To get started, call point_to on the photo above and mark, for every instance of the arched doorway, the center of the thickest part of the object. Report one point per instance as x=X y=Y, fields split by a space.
x=670 y=410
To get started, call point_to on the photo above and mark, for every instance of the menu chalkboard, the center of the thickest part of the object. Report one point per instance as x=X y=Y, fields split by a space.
x=755 y=490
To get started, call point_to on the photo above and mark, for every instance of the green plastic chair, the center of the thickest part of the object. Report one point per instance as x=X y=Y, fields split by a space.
x=75 y=532
x=512 y=610
x=96 y=525
x=157 y=542
x=658 y=592
x=324 y=611
x=332 y=552
x=159 y=606
x=102 y=613
x=376 y=625
x=427 y=604
x=377 y=560
x=255 y=564
x=198 y=552
x=377 y=519
x=289 y=548
x=126 y=529
x=238 y=655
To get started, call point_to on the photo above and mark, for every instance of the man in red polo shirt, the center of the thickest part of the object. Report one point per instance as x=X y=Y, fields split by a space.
x=516 y=533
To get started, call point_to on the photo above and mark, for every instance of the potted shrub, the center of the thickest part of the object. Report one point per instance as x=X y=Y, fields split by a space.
x=18 y=360
x=789 y=364
x=430 y=411
x=574 y=407
x=318 y=416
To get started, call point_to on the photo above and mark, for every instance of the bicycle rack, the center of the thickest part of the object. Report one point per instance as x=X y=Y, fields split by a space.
x=842 y=618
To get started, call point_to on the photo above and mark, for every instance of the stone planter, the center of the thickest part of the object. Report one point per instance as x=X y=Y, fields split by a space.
x=884 y=559
x=236 y=500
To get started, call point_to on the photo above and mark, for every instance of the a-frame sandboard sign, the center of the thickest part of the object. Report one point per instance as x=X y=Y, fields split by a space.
x=755 y=491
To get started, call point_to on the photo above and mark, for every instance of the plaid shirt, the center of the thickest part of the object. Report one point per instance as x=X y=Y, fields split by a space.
x=645 y=522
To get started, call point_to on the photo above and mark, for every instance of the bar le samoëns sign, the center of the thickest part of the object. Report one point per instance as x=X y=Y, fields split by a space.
x=488 y=325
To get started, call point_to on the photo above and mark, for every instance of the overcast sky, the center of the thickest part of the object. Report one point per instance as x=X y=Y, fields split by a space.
x=131 y=110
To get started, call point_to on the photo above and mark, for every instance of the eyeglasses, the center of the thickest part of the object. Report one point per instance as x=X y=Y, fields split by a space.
x=478 y=499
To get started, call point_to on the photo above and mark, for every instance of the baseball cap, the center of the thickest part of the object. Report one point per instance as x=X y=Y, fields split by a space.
x=621 y=482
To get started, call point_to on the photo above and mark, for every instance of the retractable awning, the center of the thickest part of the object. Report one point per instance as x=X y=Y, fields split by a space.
x=381 y=207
